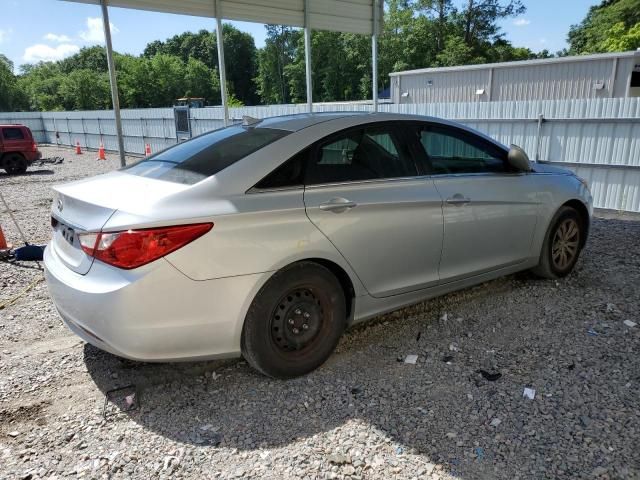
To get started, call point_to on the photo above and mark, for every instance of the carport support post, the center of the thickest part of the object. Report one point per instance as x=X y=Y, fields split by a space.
x=374 y=55
x=112 y=79
x=221 y=64
x=307 y=56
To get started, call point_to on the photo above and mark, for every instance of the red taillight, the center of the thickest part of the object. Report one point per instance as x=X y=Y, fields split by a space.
x=34 y=147
x=134 y=248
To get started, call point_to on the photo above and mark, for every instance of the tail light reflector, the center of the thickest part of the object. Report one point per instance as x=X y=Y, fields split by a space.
x=133 y=248
x=34 y=146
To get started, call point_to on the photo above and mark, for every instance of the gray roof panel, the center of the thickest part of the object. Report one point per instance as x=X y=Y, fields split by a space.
x=299 y=121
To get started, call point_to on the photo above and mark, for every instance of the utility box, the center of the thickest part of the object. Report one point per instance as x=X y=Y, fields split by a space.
x=183 y=125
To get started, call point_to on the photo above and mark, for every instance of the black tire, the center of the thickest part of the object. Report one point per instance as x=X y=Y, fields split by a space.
x=295 y=321
x=14 y=164
x=562 y=244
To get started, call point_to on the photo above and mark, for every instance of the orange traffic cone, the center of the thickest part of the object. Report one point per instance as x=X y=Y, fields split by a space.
x=147 y=149
x=78 y=151
x=101 y=155
x=3 y=241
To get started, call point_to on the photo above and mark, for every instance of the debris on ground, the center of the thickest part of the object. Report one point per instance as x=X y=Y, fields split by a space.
x=412 y=359
x=339 y=459
x=529 y=393
x=490 y=376
x=630 y=323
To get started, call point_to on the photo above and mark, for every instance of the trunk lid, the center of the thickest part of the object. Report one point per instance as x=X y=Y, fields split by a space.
x=86 y=205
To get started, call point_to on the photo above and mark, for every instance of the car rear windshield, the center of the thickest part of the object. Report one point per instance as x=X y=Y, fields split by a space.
x=205 y=155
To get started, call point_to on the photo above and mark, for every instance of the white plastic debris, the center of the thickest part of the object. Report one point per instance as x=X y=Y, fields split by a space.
x=264 y=455
x=444 y=317
x=630 y=323
x=529 y=393
x=453 y=347
x=129 y=399
x=495 y=422
x=215 y=375
x=412 y=359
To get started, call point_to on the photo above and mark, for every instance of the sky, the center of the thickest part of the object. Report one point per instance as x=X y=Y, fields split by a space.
x=35 y=30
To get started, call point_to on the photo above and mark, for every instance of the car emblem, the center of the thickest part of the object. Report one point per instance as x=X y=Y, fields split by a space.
x=60 y=206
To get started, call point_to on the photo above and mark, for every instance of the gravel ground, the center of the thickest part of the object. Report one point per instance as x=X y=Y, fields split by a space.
x=364 y=414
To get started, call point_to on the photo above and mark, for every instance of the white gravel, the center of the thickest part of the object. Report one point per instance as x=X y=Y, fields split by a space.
x=366 y=413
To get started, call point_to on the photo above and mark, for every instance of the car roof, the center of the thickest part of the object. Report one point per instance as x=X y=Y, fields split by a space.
x=298 y=121
x=12 y=125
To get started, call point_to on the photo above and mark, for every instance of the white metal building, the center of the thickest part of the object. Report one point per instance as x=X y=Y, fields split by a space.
x=610 y=75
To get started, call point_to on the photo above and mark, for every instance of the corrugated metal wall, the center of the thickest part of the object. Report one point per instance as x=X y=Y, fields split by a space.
x=559 y=80
x=553 y=81
x=440 y=87
x=598 y=138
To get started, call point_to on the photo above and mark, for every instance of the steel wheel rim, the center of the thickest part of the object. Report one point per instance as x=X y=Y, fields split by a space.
x=296 y=321
x=566 y=241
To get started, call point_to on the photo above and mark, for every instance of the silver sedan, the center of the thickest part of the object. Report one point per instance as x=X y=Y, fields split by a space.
x=268 y=239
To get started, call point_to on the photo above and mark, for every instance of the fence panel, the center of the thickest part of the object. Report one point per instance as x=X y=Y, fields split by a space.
x=597 y=138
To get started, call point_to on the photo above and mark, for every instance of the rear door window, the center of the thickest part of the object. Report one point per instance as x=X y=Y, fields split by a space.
x=360 y=154
x=203 y=156
x=10 y=133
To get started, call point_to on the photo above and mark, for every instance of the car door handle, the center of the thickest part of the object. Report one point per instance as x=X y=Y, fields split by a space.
x=337 y=205
x=458 y=199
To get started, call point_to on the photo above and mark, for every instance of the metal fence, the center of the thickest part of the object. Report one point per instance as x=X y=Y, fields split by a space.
x=597 y=138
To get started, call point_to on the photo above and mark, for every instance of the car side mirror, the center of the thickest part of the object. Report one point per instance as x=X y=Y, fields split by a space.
x=519 y=159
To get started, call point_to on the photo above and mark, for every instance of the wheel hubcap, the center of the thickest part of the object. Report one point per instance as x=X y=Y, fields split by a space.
x=565 y=244
x=296 y=320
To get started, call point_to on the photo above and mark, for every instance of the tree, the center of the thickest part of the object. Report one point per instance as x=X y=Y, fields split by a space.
x=85 y=89
x=89 y=58
x=479 y=19
x=457 y=52
x=279 y=51
x=240 y=52
x=200 y=80
x=41 y=84
x=620 y=39
x=603 y=25
x=11 y=95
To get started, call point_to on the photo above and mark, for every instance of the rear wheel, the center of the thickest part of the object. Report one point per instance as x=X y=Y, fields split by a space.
x=295 y=321
x=562 y=245
x=14 y=164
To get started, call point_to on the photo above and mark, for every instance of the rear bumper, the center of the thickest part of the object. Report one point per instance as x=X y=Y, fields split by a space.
x=153 y=313
x=33 y=156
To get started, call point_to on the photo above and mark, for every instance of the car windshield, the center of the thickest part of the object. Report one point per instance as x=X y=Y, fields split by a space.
x=205 y=155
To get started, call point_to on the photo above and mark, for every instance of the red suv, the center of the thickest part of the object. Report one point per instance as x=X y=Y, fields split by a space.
x=17 y=148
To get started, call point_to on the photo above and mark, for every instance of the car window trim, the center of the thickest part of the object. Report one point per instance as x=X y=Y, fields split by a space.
x=392 y=130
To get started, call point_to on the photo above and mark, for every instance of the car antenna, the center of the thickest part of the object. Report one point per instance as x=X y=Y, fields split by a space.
x=248 y=121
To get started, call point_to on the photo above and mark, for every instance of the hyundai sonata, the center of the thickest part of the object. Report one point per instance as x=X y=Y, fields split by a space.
x=268 y=239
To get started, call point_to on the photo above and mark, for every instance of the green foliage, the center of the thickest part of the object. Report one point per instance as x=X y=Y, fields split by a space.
x=240 y=53
x=278 y=53
x=11 y=96
x=611 y=26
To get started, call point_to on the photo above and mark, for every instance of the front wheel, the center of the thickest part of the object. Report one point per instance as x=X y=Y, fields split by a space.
x=294 y=323
x=562 y=245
